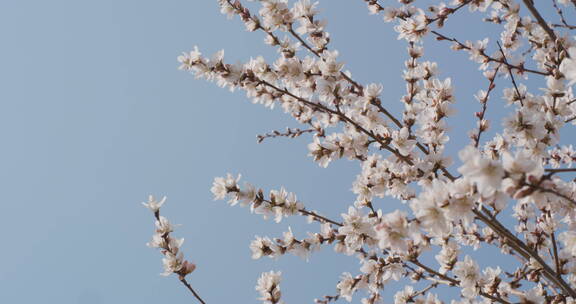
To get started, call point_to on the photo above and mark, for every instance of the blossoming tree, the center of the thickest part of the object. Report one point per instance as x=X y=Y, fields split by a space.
x=520 y=176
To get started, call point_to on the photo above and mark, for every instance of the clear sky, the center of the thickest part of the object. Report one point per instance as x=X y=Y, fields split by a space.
x=94 y=116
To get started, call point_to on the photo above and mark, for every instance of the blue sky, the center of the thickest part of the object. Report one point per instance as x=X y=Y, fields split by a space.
x=94 y=116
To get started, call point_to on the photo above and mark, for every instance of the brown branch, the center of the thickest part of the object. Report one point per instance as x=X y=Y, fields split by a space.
x=309 y=48
x=343 y=117
x=456 y=282
x=461 y=45
x=524 y=250
x=449 y=11
x=560 y=170
x=308 y=213
x=317 y=216
x=181 y=276
x=562 y=19
x=555 y=249
x=510 y=73
x=378 y=105
x=183 y=280
x=546 y=190
x=423 y=291
x=491 y=87
x=530 y=5
x=494 y=224
x=359 y=87
x=292 y=133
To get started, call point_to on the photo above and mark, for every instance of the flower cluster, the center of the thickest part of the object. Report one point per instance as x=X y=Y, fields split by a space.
x=279 y=204
x=173 y=260
x=518 y=175
x=269 y=287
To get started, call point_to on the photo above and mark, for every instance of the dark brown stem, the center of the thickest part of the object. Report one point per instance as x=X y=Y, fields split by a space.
x=515 y=243
x=354 y=83
x=555 y=250
x=295 y=35
x=291 y=133
x=560 y=170
x=491 y=87
x=530 y=5
x=322 y=218
x=183 y=280
x=450 y=12
x=182 y=277
x=423 y=291
x=524 y=250
x=456 y=282
x=546 y=190
x=309 y=213
x=343 y=117
x=562 y=19
x=510 y=73
x=461 y=45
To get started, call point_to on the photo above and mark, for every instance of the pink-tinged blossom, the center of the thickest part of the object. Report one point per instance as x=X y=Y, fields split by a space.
x=568 y=238
x=461 y=203
x=347 y=286
x=268 y=286
x=224 y=185
x=275 y=14
x=173 y=260
x=405 y=295
x=414 y=28
x=329 y=66
x=357 y=229
x=163 y=226
x=262 y=247
x=520 y=164
x=428 y=209
x=304 y=8
x=568 y=66
x=468 y=273
x=153 y=204
x=486 y=174
x=401 y=140
x=394 y=232
x=448 y=256
x=533 y=295
x=172 y=263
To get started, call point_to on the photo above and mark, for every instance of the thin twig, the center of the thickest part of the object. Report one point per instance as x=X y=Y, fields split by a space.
x=183 y=280
x=546 y=190
x=317 y=216
x=562 y=19
x=461 y=45
x=510 y=73
x=309 y=213
x=181 y=276
x=524 y=250
x=291 y=133
x=456 y=282
x=530 y=5
x=491 y=87
x=556 y=260
x=560 y=170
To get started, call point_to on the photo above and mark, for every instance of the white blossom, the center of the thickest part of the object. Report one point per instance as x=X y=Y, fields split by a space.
x=269 y=287
x=568 y=66
x=407 y=155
